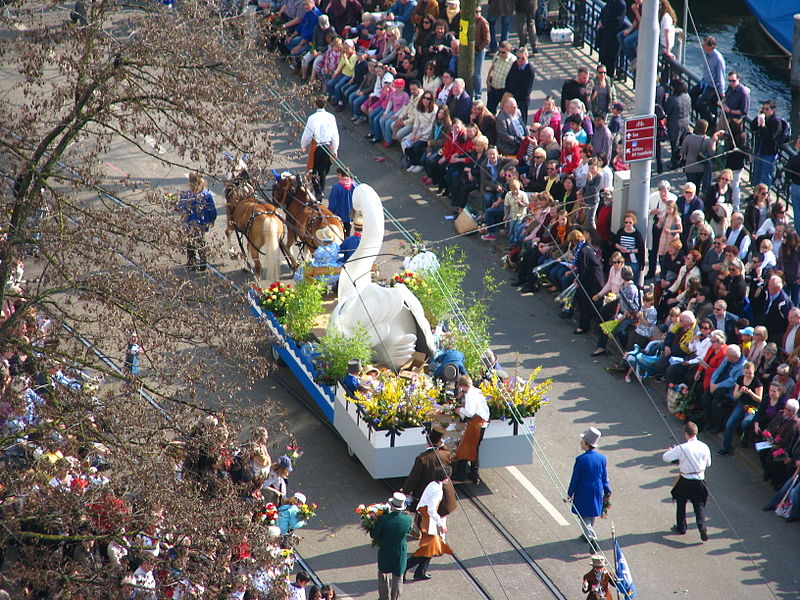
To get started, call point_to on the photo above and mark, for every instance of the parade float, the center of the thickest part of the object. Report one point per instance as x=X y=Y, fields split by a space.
x=398 y=326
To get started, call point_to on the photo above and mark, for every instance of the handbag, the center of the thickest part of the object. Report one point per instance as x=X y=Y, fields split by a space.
x=784 y=507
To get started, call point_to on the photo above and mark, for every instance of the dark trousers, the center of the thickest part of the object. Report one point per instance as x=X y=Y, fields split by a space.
x=713 y=418
x=196 y=251
x=774 y=470
x=420 y=562
x=322 y=165
x=694 y=491
x=586 y=307
x=493 y=97
x=608 y=48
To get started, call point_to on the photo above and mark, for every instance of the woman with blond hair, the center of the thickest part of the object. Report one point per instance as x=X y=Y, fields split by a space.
x=671 y=227
x=719 y=194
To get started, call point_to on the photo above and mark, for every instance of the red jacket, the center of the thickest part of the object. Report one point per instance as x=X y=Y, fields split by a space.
x=570 y=160
x=714 y=359
x=455 y=145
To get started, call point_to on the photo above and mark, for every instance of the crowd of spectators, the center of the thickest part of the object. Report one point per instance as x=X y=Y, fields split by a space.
x=705 y=284
x=89 y=501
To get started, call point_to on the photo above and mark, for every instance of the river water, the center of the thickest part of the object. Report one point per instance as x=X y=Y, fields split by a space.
x=760 y=63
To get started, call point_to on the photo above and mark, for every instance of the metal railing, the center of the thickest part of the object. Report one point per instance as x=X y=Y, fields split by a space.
x=583 y=17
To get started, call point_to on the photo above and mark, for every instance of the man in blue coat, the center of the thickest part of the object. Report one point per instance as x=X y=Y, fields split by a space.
x=589 y=489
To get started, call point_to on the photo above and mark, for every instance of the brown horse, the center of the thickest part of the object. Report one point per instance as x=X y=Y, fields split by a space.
x=305 y=215
x=259 y=223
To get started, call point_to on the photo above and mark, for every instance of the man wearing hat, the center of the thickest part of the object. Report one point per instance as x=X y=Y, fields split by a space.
x=589 y=489
x=694 y=458
x=596 y=583
x=435 y=456
x=351 y=381
x=390 y=533
x=351 y=242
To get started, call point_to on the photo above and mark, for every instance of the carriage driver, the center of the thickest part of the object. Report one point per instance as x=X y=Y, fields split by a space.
x=199 y=214
x=321 y=140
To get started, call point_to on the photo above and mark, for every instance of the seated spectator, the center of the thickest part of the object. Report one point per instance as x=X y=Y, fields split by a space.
x=676 y=342
x=781 y=431
x=718 y=400
x=459 y=101
x=675 y=295
x=431 y=82
x=747 y=396
x=777 y=304
x=683 y=372
x=480 y=116
x=548 y=115
x=790 y=490
x=549 y=144
x=423 y=121
x=733 y=289
x=789 y=263
x=511 y=129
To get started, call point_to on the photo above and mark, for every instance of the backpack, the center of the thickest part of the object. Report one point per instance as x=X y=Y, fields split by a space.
x=785 y=133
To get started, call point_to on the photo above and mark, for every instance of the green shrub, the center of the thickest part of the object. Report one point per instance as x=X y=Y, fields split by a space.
x=337 y=349
x=304 y=308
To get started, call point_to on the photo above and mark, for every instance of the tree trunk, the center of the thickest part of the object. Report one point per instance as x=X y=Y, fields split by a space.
x=466 y=53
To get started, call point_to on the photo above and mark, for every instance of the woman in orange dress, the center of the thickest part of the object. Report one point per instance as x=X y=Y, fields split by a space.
x=433 y=526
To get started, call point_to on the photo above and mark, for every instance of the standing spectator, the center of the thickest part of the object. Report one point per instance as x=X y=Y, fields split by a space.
x=677 y=108
x=604 y=94
x=738 y=155
x=612 y=20
x=321 y=140
x=481 y=43
x=579 y=88
x=343 y=14
x=589 y=489
x=503 y=11
x=767 y=128
x=776 y=309
x=519 y=82
x=630 y=243
x=199 y=213
x=340 y=201
x=792 y=170
x=390 y=533
x=496 y=77
x=696 y=152
x=525 y=11
x=694 y=458
x=628 y=38
x=735 y=102
x=657 y=209
x=707 y=93
x=602 y=140
x=401 y=12
x=588 y=269
x=666 y=21
x=132 y=352
x=433 y=526
x=476 y=411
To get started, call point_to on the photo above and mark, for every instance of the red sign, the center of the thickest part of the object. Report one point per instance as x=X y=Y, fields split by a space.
x=640 y=138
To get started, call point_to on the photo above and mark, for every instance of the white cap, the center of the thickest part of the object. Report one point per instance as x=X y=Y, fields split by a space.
x=388 y=78
x=300 y=496
x=349 y=43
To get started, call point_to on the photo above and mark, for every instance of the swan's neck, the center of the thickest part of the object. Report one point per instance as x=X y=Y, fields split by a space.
x=357 y=272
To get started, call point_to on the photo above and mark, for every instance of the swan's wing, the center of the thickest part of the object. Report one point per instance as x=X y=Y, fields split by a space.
x=425 y=341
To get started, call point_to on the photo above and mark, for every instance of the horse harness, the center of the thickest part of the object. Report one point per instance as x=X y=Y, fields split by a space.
x=246 y=231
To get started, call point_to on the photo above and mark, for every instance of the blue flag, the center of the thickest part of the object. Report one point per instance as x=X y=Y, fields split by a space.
x=624 y=577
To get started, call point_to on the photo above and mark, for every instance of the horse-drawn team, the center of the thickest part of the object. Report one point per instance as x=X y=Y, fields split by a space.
x=294 y=211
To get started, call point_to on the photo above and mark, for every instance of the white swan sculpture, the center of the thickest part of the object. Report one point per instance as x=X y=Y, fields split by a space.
x=393 y=317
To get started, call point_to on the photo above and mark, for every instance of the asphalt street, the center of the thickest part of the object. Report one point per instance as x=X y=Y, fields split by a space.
x=750 y=554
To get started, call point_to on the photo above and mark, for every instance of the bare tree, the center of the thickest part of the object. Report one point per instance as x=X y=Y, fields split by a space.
x=102 y=256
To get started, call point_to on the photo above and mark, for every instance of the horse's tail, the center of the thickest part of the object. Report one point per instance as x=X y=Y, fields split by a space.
x=272 y=231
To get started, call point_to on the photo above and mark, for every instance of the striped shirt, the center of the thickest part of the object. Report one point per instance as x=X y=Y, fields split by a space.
x=628 y=241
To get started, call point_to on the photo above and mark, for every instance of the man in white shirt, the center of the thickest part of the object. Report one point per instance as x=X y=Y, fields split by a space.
x=297 y=590
x=737 y=235
x=475 y=411
x=657 y=207
x=693 y=457
x=321 y=141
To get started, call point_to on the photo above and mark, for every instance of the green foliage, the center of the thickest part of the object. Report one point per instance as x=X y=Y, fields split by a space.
x=305 y=307
x=443 y=287
x=337 y=349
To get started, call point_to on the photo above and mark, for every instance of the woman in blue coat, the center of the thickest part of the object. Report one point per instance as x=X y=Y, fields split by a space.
x=589 y=488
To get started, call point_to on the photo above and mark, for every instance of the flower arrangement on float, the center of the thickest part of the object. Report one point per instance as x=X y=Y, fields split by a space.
x=515 y=397
x=276 y=298
x=395 y=402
